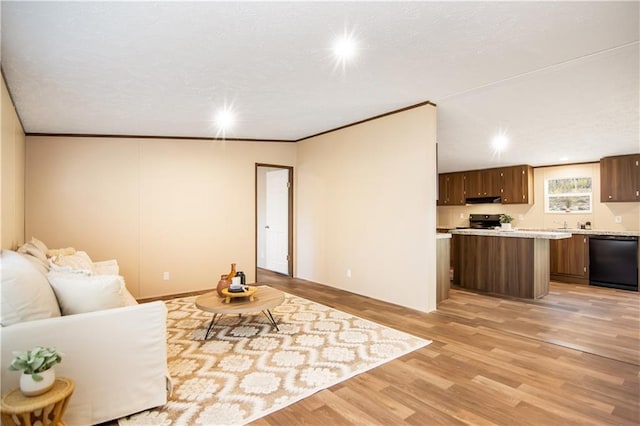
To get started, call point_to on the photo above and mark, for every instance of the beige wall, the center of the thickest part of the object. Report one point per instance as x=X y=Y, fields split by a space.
x=365 y=201
x=533 y=216
x=12 y=161
x=157 y=205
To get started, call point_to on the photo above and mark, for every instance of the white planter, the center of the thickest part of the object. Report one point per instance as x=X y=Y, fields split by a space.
x=30 y=387
x=506 y=226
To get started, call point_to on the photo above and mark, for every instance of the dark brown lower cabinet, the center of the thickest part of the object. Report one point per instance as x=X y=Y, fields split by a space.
x=569 y=259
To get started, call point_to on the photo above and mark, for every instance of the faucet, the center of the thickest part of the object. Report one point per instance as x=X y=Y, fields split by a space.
x=564 y=224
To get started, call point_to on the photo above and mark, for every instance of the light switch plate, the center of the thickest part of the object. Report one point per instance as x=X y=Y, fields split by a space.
x=618 y=219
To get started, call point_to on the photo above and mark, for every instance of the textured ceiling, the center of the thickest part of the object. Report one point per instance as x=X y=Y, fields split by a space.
x=560 y=78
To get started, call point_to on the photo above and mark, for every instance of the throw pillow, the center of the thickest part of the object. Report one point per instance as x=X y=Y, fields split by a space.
x=78 y=293
x=37 y=263
x=33 y=250
x=41 y=246
x=127 y=298
x=106 y=267
x=79 y=262
x=25 y=292
x=61 y=252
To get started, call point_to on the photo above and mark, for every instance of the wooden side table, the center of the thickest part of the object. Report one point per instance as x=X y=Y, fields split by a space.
x=47 y=408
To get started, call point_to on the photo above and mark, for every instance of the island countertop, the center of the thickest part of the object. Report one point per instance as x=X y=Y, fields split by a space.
x=594 y=231
x=545 y=235
x=590 y=231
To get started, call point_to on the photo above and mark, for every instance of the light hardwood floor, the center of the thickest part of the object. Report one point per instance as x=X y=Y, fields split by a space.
x=571 y=357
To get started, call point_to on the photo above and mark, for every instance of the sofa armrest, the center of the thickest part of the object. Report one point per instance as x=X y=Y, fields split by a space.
x=106 y=267
x=117 y=357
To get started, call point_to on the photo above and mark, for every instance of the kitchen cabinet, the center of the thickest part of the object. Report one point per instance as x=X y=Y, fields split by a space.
x=517 y=185
x=620 y=178
x=451 y=189
x=482 y=183
x=513 y=184
x=569 y=259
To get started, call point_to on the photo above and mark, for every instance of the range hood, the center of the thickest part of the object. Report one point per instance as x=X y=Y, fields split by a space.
x=483 y=200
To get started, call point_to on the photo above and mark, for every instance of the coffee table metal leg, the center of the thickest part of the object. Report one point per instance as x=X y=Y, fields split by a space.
x=211 y=324
x=269 y=316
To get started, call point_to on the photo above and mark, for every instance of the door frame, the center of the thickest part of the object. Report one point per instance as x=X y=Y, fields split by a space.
x=289 y=219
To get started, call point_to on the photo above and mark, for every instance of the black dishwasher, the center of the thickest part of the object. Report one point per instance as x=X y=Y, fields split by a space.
x=613 y=261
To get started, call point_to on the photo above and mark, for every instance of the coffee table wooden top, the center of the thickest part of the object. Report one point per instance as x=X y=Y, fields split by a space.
x=264 y=299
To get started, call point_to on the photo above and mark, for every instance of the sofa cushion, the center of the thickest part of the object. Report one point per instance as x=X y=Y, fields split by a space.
x=25 y=291
x=79 y=293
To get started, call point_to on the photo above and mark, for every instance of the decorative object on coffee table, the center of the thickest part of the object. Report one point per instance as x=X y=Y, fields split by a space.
x=232 y=274
x=225 y=280
x=250 y=290
x=36 y=365
x=46 y=408
x=222 y=284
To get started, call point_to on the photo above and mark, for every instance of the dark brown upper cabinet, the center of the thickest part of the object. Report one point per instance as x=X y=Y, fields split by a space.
x=513 y=184
x=620 y=178
x=482 y=183
x=517 y=185
x=451 y=189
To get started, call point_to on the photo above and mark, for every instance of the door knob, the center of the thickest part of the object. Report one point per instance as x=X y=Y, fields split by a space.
x=266 y=227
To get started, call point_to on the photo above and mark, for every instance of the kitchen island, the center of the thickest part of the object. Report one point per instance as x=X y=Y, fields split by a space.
x=511 y=263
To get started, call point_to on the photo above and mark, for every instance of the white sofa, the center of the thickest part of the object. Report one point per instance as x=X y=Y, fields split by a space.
x=117 y=356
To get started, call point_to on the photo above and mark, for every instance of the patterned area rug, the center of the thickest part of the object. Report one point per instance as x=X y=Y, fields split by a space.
x=246 y=369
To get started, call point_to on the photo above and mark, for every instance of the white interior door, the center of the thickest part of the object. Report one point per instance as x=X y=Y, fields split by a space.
x=277 y=221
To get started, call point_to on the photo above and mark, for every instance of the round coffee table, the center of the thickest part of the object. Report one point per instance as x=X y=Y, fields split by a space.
x=264 y=299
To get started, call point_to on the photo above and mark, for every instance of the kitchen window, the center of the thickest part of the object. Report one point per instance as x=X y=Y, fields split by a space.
x=567 y=195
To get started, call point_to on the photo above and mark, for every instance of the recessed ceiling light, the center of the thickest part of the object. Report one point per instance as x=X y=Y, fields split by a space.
x=345 y=49
x=564 y=158
x=224 y=120
x=500 y=141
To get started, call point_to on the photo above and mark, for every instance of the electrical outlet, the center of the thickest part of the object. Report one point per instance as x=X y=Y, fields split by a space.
x=165 y=276
x=520 y=217
x=348 y=273
x=461 y=215
x=618 y=219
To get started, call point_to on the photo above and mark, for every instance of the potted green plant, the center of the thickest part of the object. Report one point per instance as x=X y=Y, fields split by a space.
x=505 y=221
x=36 y=365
